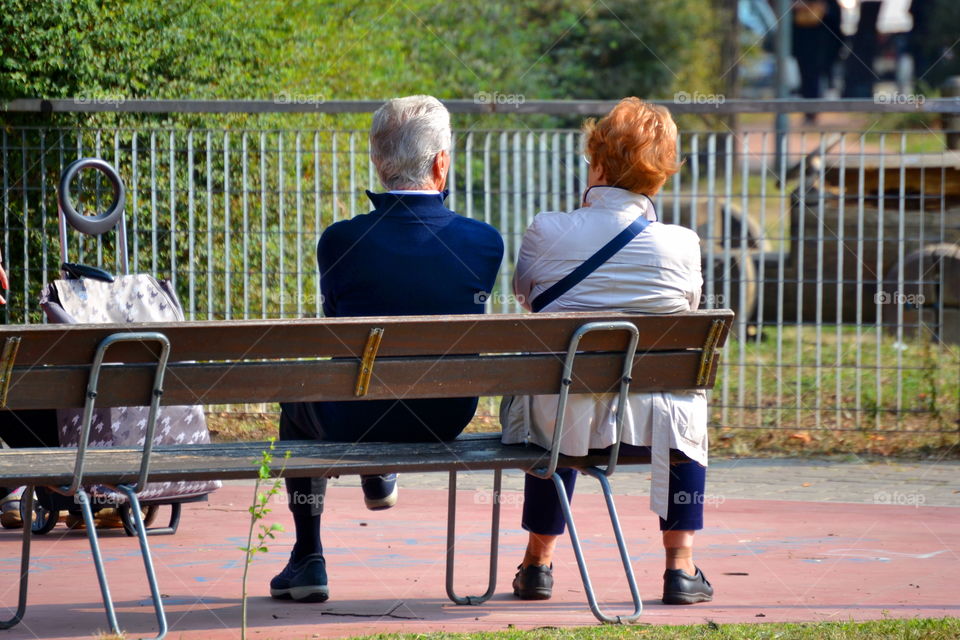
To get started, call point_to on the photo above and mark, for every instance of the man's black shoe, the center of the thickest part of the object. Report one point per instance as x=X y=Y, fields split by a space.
x=303 y=581
x=679 y=587
x=534 y=582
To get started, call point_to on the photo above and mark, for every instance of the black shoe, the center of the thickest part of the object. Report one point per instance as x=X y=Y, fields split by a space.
x=534 y=582
x=303 y=581
x=679 y=587
x=379 y=492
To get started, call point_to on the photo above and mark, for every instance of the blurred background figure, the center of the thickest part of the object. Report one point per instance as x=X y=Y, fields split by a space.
x=859 y=75
x=816 y=45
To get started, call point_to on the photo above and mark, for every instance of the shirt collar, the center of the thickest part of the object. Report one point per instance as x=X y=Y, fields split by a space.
x=607 y=197
x=419 y=192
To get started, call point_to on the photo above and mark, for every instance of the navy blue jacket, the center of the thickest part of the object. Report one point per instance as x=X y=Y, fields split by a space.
x=409 y=256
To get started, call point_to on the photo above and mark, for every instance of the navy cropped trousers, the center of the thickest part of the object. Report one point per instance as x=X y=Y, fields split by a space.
x=543 y=515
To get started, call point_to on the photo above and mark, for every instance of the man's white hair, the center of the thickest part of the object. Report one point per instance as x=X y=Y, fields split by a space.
x=406 y=135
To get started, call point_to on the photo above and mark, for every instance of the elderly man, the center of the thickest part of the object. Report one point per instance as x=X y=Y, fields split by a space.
x=409 y=256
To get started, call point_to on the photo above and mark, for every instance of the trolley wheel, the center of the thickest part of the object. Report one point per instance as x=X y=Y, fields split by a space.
x=129 y=524
x=150 y=513
x=44 y=519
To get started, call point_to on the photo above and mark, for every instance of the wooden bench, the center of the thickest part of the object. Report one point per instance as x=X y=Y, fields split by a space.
x=61 y=366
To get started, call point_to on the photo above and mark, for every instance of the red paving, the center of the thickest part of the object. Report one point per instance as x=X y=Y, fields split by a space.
x=769 y=561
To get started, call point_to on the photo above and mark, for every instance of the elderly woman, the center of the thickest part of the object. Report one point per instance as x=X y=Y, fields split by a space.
x=631 y=152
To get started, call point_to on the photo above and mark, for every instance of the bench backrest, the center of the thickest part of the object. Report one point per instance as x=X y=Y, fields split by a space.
x=48 y=366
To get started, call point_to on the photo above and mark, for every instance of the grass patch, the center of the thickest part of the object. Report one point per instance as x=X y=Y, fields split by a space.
x=909 y=629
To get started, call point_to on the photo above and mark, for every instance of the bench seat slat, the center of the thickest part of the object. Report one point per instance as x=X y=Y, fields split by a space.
x=345 y=337
x=451 y=377
x=43 y=466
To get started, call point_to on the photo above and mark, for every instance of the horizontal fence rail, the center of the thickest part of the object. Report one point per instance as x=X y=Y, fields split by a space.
x=486 y=102
x=839 y=251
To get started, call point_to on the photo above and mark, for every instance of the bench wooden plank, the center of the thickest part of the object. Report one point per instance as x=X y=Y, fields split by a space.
x=46 y=467
x=345 y=337
x=450 y=377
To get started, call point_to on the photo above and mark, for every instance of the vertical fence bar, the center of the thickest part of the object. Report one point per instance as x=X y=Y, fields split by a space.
x=210 y=261
x=571 y=164
x=821 y=210
x=43 y=209
x=840 y=367
x=245 y=213
x=281 y=226
x=263 y=225
x=878 y=298
x=763 y=172
x=134 y=201
x=26 y=223
x=901 y=289
x=510 y=260
x=487 y=190
x=728 y=165
x=452 y=173
x=298 y=158
x=317 y=221
x=780 y=149
x=800 y=253
x=191 y=225
x=227 y=236
x=744 y=258
x=861 y=209
x=173 y=210
x=468 y=174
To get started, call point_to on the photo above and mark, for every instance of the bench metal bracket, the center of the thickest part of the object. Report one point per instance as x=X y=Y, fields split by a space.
x=549 y=472
x=9 y=356
x=601 y=476
x=24 y=562
x=451 y=540
x=131 y=491
x=366 y=363
x=709 y=356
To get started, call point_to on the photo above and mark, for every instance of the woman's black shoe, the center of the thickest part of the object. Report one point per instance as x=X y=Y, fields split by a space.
x=534 y=582
x=679 y=587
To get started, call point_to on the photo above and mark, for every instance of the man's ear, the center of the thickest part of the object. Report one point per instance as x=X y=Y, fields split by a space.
x=441 y=166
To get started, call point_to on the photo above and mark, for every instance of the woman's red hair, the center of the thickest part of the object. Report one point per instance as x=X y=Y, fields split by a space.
x=635 y=146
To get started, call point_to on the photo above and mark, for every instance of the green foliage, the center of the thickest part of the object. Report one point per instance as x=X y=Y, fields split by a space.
x=259 y=509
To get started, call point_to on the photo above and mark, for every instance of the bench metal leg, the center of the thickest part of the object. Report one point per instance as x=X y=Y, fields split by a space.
x=624 y=555
x=24 y=562
x=84 y=499
x=451 y=540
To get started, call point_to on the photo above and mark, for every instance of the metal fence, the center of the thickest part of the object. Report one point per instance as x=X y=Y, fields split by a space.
x=839 y=251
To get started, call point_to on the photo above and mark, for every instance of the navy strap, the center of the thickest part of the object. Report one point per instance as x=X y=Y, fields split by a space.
x=591 y=264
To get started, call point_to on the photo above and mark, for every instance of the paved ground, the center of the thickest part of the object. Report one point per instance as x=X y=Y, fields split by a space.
x=786 y=540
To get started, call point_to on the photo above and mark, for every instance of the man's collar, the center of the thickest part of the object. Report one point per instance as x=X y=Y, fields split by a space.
x=413 y=201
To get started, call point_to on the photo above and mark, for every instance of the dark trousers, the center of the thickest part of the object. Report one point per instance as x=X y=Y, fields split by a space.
x=543 y=515
x=36 y=428
x=304 y=495
x=374 y=421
